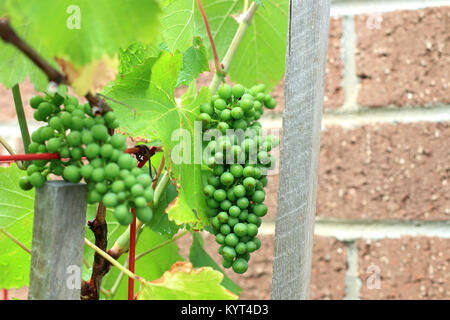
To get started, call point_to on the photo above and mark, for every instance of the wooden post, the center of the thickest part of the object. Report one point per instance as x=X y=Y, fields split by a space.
x=299 y=153
x=58 y=241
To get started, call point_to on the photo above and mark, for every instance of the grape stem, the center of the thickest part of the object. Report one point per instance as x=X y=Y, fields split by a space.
x=15 y=240
x=21 y=117
x=162 y=244
x=211 y=40
x=243 y=25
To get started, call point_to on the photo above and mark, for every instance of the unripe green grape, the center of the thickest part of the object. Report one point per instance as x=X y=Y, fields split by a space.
x=240 y=229
x=232 y=221
x=252 y=218
x=271 y=103
x=249 y=183
x=252 y=230
x=36 y=137
x=96 y=163
x=237 y=113
x=126 y=162
x=204 y=118
x=225 y=115
x=229 y=253
x=236 y=170
x=140 y=202
x=115 y=155
x=70 y=108
x=88 y=123
x=214 y=181
x=207 y=108
x=106 y=150
x=122 y=196
x=72 y=174
x=247 y=96
x=224 y=91
x=33 y=147
x=249 y=171
x=135 y=171
x=112 y=170
x=137 y=190
x=32 y=168
x=222 y=217
x=78 y=113
x=258 y=196
x=257 y=242
x=215 y=222
x=92 y=151
x=218 y=170
x=251 y=246
x=220 y=238
x=260 y=210
x=94 y=197
x=220 y=104
x=238 y=90
x=71 y=100
x=241 y=248
x=64 y=152
x=100 y=132
x=211 y=212
x=234 y=211
x=86 y=171
x=118 y=141
x=99 y=120
x=118 y=186
x=129 y=180
x=212 y=203
x=54 y=144
x=231 y=196
x=226 y=178
x=74 y=138
x=24 y=183
x=245 y=256
x=57 y=99
x=76 y=153
x=123 y=215
x=227 y=263
x=44 y=110
x=225 y=205
x=56 y=123
x=246 y=104
x=264 y=181
x=243 y=203
x=220 y=195
x=240 y=124
x=223 y=127
x=66 y=119
x=240 y=265
x=208 y=190
x=243 y=216
x=231 y=239
x=145 y=214
x=36 y=101
x=144 y=180
x=109 y=117
x=77 y=124
x=98 y=175
x=239 y=191
x=110 y=200
x=47 y=133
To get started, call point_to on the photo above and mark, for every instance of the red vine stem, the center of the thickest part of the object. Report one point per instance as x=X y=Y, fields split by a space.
x=5 y=294
x=219 y=68
x=132 y=255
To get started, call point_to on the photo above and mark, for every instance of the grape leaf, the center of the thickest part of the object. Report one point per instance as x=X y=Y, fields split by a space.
x=182 y=282
x=260 y=56
x=16 y=218
x=195 y=61
x=152 y=112
x=160 y=221
x=199 y=257
x=150 y=267
x=75 y=31
x=179 y=24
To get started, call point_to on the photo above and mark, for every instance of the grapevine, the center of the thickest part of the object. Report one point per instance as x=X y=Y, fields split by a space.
x=239 y=159
x=88 y=152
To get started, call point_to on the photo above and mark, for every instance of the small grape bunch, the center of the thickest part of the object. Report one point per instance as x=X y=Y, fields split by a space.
x=88 y=152
x=239 y=163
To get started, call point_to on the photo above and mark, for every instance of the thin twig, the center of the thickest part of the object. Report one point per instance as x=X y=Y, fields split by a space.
x=217 y=64
x=158 y=172
x=10 y=236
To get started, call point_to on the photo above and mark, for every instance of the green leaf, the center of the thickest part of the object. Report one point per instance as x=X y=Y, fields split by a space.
x=16 y=217
x=183 y=282
x=153 y=113
x=261 y=54
x=149 y=267
x=200 y=258
x=195 y=61
x=76 y=31
x=179 y=24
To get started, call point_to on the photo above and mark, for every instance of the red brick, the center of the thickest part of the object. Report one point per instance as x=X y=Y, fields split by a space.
x=381 y=171
x=328 y=268
x=404 y=61
x=409 y=268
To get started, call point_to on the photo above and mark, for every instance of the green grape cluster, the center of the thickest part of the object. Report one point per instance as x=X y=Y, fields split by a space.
x=235 y=191
x=73 y=131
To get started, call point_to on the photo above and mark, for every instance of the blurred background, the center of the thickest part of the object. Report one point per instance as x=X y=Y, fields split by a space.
x=383 y=203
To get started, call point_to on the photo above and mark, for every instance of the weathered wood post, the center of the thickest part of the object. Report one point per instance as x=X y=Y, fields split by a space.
x=299 y=153
x=58 y=241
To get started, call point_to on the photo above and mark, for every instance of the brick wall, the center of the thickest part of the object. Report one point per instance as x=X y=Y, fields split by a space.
x=383 y=204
